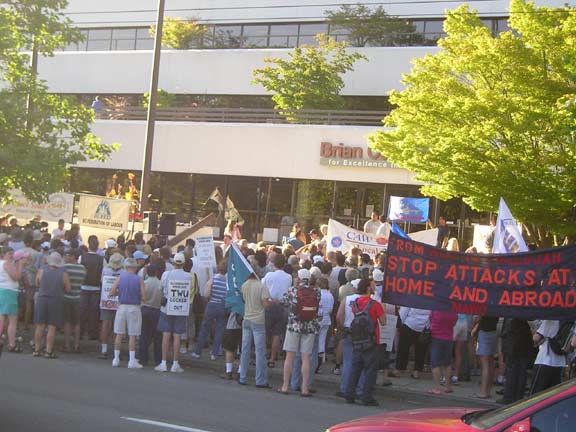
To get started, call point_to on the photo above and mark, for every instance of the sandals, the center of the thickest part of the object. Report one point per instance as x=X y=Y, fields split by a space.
x=271 y=364
x=36 y=354
x=306 y=395
x=65 y=349
x=15 y=349
x=49 y=355
x=77 y=350
x=283 y=392
x=434 y=392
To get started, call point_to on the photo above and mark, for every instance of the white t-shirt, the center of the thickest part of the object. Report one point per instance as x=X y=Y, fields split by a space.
x=204 y=274
x=175 y=275
x=326 y=306
x=58 y=233
x=278 y=283
x=384 y=230
x=333 y=283
x=348 y=315
x=549 y=329
x=371 y=227
x=415 y=319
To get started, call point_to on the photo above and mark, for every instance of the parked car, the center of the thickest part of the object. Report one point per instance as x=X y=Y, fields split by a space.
x=553 y=410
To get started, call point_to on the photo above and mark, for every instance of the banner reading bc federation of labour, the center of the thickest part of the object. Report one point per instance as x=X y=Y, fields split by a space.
x=530 y=285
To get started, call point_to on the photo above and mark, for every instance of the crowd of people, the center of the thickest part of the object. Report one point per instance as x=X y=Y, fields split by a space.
x=300 y=302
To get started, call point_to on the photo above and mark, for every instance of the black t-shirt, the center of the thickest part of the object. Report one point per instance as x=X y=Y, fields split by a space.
x=488 y=324
x=443 y=232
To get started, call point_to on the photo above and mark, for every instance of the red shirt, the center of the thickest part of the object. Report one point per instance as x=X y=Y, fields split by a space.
x=376 y=311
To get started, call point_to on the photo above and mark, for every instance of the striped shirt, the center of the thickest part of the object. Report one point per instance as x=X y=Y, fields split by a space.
x=219 y=289
x=76 y=273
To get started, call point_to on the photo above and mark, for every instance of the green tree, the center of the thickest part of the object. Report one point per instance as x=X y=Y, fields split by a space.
x=182 y=34
x=38 y=145
x=489 y=116
x=163 y=99
x=367 y=26
x=310 y=78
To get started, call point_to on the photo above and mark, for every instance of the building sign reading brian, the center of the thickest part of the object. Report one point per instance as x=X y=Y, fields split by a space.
x=106 y=213
x=340 y=155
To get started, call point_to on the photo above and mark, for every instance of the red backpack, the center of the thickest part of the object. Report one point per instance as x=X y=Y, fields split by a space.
x=307 y=304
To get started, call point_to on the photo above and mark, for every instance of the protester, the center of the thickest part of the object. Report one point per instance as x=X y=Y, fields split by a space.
x=257 y=300
x=52 y=282
x=151 y=314
x=10 y=273
x=326 y=308
x=371 y=226
x=129 y=288
x=518 y=348
x=110 y=274
x=549 y=365
x=59 y=232
x=344 y=318
x=442 y=332
x=414 y=322
x=76 y=274
x=303 y=301
x=90 y=290
x=485 y=328
x=231 y=342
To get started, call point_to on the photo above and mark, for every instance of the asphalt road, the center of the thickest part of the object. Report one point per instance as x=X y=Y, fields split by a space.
x=80 y=393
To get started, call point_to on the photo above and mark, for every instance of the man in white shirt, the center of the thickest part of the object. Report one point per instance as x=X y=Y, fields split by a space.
x=371 y=227
x=59 y=232
x=548 y=366
x=278 y=283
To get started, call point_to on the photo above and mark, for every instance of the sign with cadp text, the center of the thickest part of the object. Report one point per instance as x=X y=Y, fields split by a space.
x=178 y=299
x=408 y=209
x=108 y=302
x=59 y=206
x=529 y=285
x=106 y=213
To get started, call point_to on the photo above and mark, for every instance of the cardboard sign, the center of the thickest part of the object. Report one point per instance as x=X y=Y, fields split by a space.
x=178 y=298
x=108 y=302
x=388 y=332
x=205 y=250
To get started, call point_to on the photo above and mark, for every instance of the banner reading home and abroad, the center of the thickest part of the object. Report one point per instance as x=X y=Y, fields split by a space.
x=530 y=285
x=343 y=238
x=59 y=206
x=106 y=213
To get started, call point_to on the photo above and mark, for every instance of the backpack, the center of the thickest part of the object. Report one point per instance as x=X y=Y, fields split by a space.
x=307 y=304
x=362 y=328
x=560 y=344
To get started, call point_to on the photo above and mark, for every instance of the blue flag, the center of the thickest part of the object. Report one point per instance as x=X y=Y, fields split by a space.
x=507 y=236
x=398 y=231
x=408 y=209
x=238 y=271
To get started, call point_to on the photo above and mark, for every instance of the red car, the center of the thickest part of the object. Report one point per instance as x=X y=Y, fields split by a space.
x=553 y=410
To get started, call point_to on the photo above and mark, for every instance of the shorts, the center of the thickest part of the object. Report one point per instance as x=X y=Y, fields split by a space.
x=172 y=324
x=487 y=343
x=461 y=331
x=128 y=317
x=71 y=313
x=276 y=320
x=8 y=302
x=48 y=310
x=107 y=315
x=298 y=342
x=232 y=340
x=440 y=353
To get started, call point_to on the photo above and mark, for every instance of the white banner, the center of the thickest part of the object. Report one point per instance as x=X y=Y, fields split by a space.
x=178 y=298
x=481 y=233
x=205 y=248
x=342 y=238
x=388 y=332
x=507 y=237
x=108 y=302
x=59 y=206
x=106 y=213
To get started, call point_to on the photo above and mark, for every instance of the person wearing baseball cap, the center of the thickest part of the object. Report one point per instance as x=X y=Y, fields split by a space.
x=108 y=307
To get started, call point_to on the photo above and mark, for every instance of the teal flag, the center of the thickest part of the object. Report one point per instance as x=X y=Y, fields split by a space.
x=238 y=271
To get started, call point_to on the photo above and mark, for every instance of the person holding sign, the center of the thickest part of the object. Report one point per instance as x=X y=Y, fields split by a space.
x=108 y=303
x=176 y=288
x=129 y=288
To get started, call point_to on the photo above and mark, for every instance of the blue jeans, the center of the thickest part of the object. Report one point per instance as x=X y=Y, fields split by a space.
x=296 y=376
x=257 y=332
x=150 y=335
x=347 y=359
x=214 y=313
x=363 y=362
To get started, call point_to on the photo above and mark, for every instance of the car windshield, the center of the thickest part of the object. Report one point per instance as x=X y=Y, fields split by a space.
x=486 y=419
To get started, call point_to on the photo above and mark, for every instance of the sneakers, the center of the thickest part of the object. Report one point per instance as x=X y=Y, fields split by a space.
x=134 y=364
x=102 y=356
x=227 y=376
x=443 y=381
x=336 y=371
x=194 y=355
x=183 y=350
x=176 y=368
x=115 y=362
x=454 y=380
x=161 y=368
x=212 y=357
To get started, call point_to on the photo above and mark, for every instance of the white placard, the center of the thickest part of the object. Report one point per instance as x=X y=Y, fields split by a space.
x=369 y=210
x=205 y=251
x=106 y=213
x=270 y=235
x=58 y=206
x=178 y=303
x=388 y=332
x=108 y=302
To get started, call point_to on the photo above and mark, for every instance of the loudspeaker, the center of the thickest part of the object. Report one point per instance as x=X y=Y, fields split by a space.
x=150 y=222
x=167 y=224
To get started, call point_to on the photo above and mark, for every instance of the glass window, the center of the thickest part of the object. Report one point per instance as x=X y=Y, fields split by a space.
x=255 y=41
x=99 y=45
x=434 y=27
x=228 y=37
x=559 y=417
x=336 y=30
x=313 y=29
x=124 y=34
x=502 y=25
x=124 y=44
x=143 y=33
x=282 y=41
x=284 y=30
x=100 y=34
x=145 y=44
x=281 y=196
x=307 y=40
x=419 y=26
x=255 y=30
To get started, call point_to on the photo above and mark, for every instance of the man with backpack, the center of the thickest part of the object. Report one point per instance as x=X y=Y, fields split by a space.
x=553 y=341
x=364 y=336
x=303 y=326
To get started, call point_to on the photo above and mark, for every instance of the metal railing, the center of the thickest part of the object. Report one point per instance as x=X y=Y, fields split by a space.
x=248 y=115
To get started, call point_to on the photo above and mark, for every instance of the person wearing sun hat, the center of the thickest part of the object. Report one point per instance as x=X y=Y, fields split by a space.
x=52 y=283
x=108 y=309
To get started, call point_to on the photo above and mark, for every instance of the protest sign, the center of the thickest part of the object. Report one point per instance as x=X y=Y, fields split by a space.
x=205 y=248
x=388 y=332
x=403 y=209
x=529 y=285
x=106 y=213
x=238 y=271
x=507 y=235
x=481 y=234
x=178 y=298
x=108 y=302
x=59 y=206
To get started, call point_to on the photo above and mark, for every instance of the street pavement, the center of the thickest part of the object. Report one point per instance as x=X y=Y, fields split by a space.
x=80 y=393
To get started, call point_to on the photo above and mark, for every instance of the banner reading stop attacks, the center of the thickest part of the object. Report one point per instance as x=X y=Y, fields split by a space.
x=530 y=285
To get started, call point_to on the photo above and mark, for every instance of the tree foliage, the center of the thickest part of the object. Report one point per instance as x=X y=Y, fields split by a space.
x=181 y=34
x=37 y=147
x=163 y=99
x=490 y=116
x=310 y=78
x=370 y=26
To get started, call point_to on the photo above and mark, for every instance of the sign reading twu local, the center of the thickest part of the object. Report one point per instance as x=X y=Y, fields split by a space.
x=530 y=285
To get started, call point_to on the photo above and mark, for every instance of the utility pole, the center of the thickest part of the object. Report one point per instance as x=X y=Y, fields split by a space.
x=151 y=118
